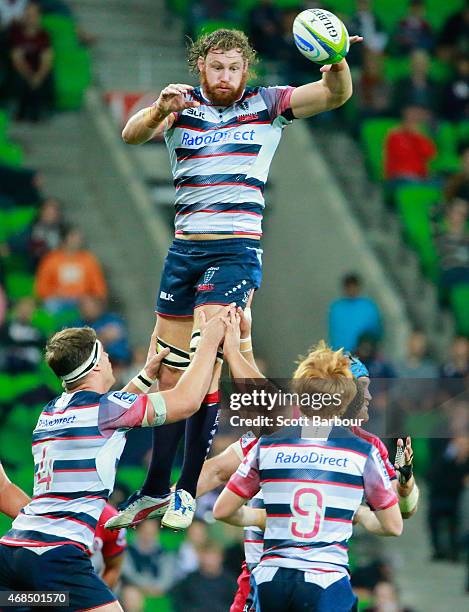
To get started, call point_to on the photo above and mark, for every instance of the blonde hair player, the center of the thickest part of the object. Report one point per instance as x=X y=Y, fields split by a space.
x=221 y=137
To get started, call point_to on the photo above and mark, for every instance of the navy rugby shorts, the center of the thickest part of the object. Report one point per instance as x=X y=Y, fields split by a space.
x=202 y=272
x=63 y=568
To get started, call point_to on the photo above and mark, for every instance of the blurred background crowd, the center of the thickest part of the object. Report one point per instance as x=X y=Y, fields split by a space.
x=410 y=114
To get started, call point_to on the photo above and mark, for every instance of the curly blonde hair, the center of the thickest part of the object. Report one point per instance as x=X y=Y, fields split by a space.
x=222 y=40
x=324 y=371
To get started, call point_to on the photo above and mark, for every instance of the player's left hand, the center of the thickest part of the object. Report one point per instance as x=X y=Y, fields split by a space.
x=404 y=460
x=232 y=334
x=153 y=364
x=341 y=65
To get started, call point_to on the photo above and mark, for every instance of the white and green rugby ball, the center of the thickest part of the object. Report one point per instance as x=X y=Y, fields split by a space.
x=321 y=36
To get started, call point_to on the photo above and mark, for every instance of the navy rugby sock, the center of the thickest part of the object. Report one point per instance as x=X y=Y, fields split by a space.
x=165 y=443
x=200 y=431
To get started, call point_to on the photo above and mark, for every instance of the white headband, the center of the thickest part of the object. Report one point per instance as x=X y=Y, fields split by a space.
x=86 y=366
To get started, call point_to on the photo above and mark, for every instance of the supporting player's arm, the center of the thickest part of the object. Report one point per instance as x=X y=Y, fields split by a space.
x=153 y=120
x=230 y=509
x=112 y=570
x=218 y=470
x=12 y=498
x=406 y=488
x=386 y=522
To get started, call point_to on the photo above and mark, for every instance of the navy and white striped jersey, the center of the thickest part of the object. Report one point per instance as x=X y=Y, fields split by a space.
x=220 y=159
x=77 y=444
x=312 y=489
x=254 y=536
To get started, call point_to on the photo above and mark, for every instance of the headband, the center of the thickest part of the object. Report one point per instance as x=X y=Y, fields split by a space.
x=86 y=366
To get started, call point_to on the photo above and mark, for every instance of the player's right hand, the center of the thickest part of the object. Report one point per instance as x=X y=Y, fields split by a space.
x=214 y=329
x=233 y=333
x=172 y=99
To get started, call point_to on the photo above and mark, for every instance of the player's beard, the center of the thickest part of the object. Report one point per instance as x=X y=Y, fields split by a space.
x=222 y=98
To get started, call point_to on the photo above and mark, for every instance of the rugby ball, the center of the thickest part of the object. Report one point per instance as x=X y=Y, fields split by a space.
x=321 y=36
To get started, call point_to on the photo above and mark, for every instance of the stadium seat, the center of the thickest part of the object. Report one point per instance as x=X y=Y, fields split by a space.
x=390 y=12
x=414 y=204
x=162 y=604
x=396 y=68
x=19 y=284
x=131 y=476
x=446 y=140
x=62 y=31
x=19 y=219
x=438 y=11
x=10 y=153
x=210 y=25
x=72 y=74
x=373 y=136
x=459 y=299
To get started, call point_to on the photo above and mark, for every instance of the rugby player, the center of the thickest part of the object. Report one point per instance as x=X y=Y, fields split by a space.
x=108 y=549
x=221 y=138
x=217 y=470
x=312 y=483
x=12 y=498
x=77 y=443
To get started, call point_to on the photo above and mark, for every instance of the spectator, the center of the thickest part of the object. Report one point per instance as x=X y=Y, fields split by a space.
x=374 y=92
x=352 y=315
x=146 y=565
x=454 y=37
x=47 y=232
x=265 y=29
x=453 y=246
x=132 y=599
x=44 y=235
x=11 y=12
x=449 y=470
x=368 y=351
x=458 y=364
x=191 y=594
x=455 y=106
x=457 y=185
x=407 y=150
x=418 y=89
x=22 y=341
x=386 y=599
x=414 y=31
x=20 y=186
x=32 y=59
x=366 y=24
x=69 y=273
x=110 y=328
x=417 y=363
x=188 y=558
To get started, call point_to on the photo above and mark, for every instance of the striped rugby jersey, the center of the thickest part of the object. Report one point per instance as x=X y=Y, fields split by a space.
x=254 y=536
x=77 y=444
x=220 y=158
x=312 y=489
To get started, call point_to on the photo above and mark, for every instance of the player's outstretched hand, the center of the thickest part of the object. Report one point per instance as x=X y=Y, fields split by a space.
x=404 y=460
x=153 y=364
x=232 y=334
x=172 y=99
x=340 y=65
x=214 y=329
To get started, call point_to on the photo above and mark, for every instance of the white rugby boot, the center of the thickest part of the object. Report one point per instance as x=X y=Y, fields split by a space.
x=180 y=511
x=138 y=508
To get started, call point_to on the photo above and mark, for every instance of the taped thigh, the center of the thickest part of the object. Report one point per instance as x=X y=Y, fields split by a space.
x=177 y=358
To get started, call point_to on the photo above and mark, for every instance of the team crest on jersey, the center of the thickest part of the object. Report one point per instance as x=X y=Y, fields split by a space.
x=123 y=398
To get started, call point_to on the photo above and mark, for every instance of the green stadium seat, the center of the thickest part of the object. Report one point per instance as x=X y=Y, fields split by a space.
x=44 y=321
x=131 y=476
x=19 y=284
x=10 y=153
x=3 y=124
x=396 y=68
x=342 y=8
x=62 y=31
x=390 y=12
x=438 y=11
x=160 y=604
x=72 y=75
x=459 y=299
x=414 y=204
x=373 y=136
x=446 y=141
x=210 y=25
x=19 y=219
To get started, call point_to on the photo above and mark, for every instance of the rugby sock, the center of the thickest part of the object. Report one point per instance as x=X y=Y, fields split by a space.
x=200 y=431
x=165 y=442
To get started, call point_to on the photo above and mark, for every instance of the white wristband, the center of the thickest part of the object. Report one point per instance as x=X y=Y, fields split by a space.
x=409 y=503
x=142 y=381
